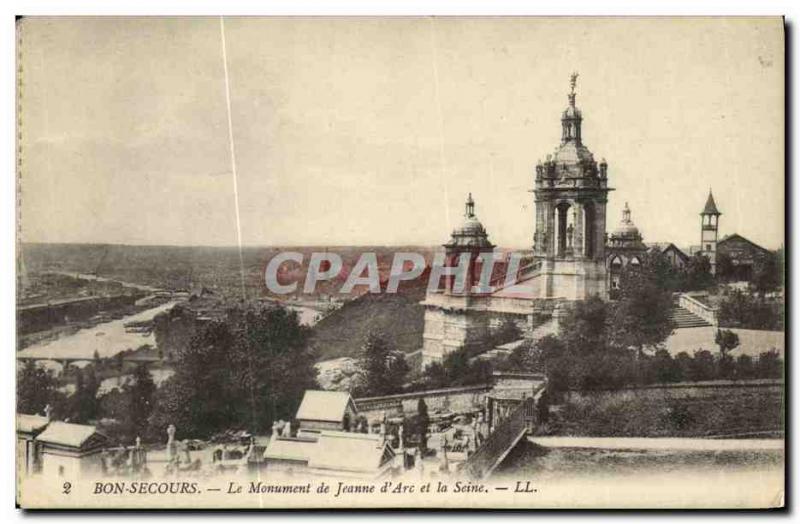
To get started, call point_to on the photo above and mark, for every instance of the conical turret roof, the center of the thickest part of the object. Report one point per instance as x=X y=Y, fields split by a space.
x=711 y=206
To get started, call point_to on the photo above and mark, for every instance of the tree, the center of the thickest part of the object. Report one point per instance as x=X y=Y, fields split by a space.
x=768 y=272
x=702 y=367
x=727 y=341
x=684 y=363
x=665 y=368
x=744 y=367
x=769 y=365
x=697 y=274
x=583 y=329
x=543 y=409
x=243 y=371
x=457 y=368
x=174 y=329
x=641 y=318
x=84 y=405
x=655 y=267
x=522 y=358
x=36 y=388
x=740 y=309
x=383 y=369
x=140 y=399
x=725 y=270
x=552 y=357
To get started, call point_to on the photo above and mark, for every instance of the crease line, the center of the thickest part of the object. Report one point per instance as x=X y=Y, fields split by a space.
x=233 y=154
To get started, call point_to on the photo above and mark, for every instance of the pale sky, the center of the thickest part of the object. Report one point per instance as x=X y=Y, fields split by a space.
x=372 y=131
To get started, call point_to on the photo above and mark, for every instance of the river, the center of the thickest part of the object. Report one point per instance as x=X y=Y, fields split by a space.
x=107 y=339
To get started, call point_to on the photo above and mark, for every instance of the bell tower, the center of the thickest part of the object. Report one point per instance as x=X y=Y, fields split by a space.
x=709 y=231
x=571 y=192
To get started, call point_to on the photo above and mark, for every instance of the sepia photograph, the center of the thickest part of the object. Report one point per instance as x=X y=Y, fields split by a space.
x=422 y=262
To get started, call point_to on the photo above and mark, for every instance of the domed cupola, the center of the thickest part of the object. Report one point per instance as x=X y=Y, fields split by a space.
x=471 y=233
x=626 y=234
x=571 y=161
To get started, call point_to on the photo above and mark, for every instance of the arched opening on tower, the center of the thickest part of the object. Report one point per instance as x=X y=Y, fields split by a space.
x=710 y=220
x=565 y=229
x=589 y=218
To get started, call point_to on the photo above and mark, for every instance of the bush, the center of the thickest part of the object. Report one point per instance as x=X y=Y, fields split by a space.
x=457 y=369
x=740 y=309
x=770 y=365
x=618 y=369
x=678 y=416
x=744 y=367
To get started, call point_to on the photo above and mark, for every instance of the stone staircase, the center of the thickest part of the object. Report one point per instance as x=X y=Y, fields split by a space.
x=683 y=318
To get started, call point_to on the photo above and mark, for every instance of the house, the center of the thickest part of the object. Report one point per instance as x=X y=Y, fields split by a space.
x=28 y=456
x=677 y=258
x=743 y=255
x=331 y=453
x=70 y=450
x=326 y=410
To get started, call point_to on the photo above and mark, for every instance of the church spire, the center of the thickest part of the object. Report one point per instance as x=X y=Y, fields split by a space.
x=711 y=206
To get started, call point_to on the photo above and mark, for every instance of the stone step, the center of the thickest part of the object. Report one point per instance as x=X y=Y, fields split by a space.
x=683 y=318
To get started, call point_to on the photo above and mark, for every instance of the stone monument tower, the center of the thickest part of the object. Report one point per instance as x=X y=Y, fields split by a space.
x=571 y=192
x=450 y=321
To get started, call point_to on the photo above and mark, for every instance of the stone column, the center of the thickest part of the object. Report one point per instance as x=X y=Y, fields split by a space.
x=561 y=234
x=550 y=236
x=577 y=244
x=599 y=230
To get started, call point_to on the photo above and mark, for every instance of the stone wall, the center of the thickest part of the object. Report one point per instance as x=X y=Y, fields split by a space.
x=707 y=313
x=458 y=400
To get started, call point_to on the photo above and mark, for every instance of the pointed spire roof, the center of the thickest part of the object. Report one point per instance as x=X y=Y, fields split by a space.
x=711 y=206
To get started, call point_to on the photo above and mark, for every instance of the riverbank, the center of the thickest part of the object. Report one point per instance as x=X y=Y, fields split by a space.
x=105 y=339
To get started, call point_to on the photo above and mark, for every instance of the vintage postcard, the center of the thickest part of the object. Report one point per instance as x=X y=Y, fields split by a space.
x=416 y=262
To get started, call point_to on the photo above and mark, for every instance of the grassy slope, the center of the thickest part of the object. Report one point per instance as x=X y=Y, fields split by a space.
x=400 y=317
x=702 y=415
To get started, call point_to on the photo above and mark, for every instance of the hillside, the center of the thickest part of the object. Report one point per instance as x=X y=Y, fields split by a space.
x=400 y=317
